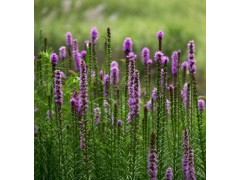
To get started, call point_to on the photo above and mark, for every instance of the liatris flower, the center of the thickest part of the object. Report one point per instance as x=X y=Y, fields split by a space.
x=100 y=74
x=154 y=94
x=127 y=45
x=106 y=106
x=164 y=59
x=174 y=62
x=106 y=85
x=184 y=94
x=75 y=45
x=131 y=70
x=77 y=60
x=168 y=106
x=184 y=65
x=97 y=115
x=149 y=62
x=158 y=57
x=62 y=52
x=160 y=34
x=74 y=101
x=201 y=104
x=145 y=55
x=58 y=94
x=191 y=62
x=83 y=89
x=114 y=76
x=54 y=59
x=169 y=174
x=83 y=54
x=152 y=158
x=94 y=34
x=191 y=49
x=149 y=105
x=191 y=169
x=119 y=122
x=131 y=55
x=69 y=39
x=187 y=160
x=134 y=99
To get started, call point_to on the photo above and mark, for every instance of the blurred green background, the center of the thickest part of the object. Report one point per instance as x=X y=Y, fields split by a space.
x=181 y=20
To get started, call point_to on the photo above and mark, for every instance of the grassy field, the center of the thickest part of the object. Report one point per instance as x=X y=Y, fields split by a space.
x=181 y=21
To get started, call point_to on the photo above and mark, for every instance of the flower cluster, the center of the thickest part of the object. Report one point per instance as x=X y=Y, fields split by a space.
x=114 y=76
x=83 y=96
x=58 y=93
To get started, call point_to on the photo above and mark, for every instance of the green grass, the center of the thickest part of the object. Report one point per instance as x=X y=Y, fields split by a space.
x=181 y=21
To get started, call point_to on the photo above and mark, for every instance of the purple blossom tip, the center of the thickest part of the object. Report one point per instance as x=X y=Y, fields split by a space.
x=83 y=54
x=131 y=55
x=94 y=34
x=145 y=55
x=114 y=63
x=62 y=52
x=158 y=56
x=201 y=104
x=119 y=122
x=165 y=59
x=127 y=45
x=106 y=84
x=100 y=74
x=149 y=62
x=54 y=58
x=184 y=65
x=160 y=34
x=193 y=69
x=191 y=47
x=75 y=45
x=69 y=39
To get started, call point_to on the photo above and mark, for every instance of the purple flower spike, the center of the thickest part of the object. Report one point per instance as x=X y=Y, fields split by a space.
x=174 y=62
x=131 y=55
x=164 y=59
x=69 y=39
x=184 y=65
x=106 y=85
x=54 y=58
x=201 y=104
x=184 y=94
x=127 y=45
x=97 y=115
x=169 y=174
x=119 y=122
x=83 y=54
x=158 y=56
x=145 y=55
x=83 y=96
x=58 y=93
x=94 y=34
x=154 y=94
x=114 y=76
x=62 y=52
x=191 y=47
x=77 y=60
x=160 y=34
x=75 y=45
x=152 y=158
